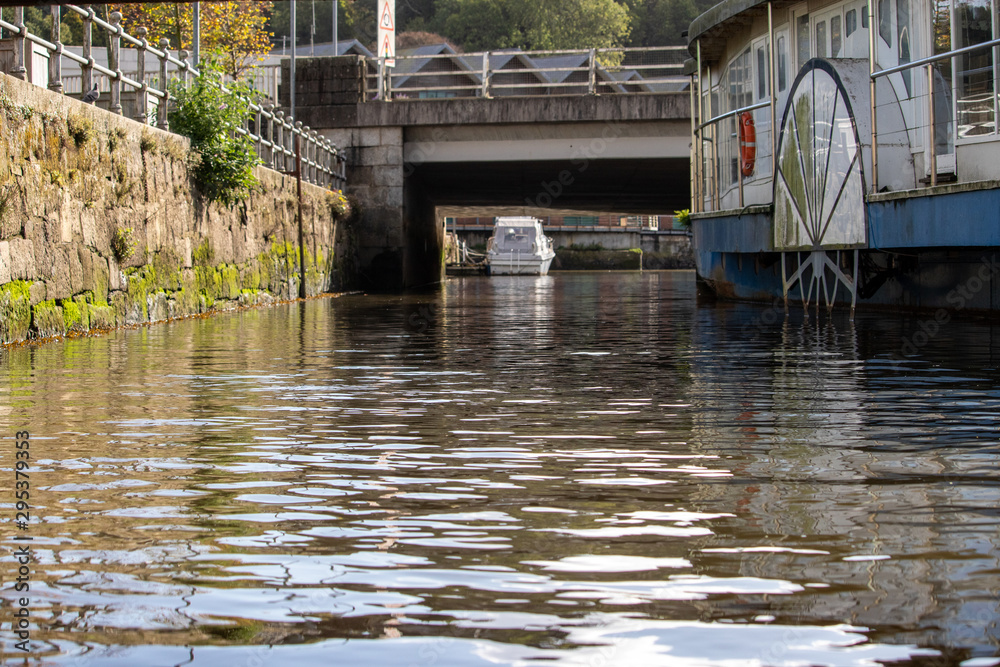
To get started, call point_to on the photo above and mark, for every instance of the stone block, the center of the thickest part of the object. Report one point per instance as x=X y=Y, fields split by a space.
x=75 y=271
x=361 y=176
x=5 y=274
x=391 y=136
x=22 y=259
x=370 y=136
x=38 y=292
x=388 y=177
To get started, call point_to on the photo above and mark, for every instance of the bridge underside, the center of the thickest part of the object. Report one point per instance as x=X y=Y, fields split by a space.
x=641 y=186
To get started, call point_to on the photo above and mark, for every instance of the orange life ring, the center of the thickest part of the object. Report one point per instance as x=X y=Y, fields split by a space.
x=748 y=143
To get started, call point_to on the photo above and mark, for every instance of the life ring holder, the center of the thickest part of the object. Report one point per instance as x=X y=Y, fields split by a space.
x=748 y=143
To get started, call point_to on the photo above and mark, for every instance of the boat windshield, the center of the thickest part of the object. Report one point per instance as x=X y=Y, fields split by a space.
x=515 y=238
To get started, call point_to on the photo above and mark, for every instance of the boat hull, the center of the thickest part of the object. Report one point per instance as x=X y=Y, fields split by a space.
x=933 y=251
x=520 y=265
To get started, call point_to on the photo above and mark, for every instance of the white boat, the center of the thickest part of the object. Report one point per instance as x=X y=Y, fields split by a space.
x=519 y=247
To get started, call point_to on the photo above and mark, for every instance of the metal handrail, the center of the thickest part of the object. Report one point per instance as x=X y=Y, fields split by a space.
x=729 y=114
x=479 y=68
x=935 y=58
x=323 y=163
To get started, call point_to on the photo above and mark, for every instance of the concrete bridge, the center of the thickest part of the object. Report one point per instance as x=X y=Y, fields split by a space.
x=407 y=157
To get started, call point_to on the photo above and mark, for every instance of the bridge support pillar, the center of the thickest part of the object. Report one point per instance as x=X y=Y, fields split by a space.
x=398 y=243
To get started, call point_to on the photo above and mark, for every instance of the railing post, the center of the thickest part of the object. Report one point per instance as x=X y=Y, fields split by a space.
x=161 y=109
x=185 y=67
x=270 y=135
x=774 y=95
x=313 y=151
x=87 y=71
x=55 y=58
x=296 y=145
x=872 y=27
x=485 y=92
x=279 y=144
x=258 y=132
x=592 y=67
x=19 y=71
x=141 y=95
x=115 y=64
x=930 y=119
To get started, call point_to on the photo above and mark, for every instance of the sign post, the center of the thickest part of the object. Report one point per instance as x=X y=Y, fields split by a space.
x=387 y=31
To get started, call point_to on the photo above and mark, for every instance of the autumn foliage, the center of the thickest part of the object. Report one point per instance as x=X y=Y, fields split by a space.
x=235 y=32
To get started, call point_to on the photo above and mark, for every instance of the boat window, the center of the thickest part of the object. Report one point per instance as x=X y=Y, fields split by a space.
x=802 y=38
x=515 y=238
x=835 y=39
x=975 y=75
x=761 y=72
x=850 y=22
x=782 y=64
x=864 y=16
x=884 y=22
x=903 y=28
x=821 y=39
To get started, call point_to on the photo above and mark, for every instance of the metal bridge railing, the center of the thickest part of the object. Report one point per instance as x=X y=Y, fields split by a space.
x=511 y=73
x=274 y=135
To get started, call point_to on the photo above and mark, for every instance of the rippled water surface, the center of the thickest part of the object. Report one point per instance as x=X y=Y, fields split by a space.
x=579 y=469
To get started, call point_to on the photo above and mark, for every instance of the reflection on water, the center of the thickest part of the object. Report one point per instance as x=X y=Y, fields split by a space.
x=587 y=469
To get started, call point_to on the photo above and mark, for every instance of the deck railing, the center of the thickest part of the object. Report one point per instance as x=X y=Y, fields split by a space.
x=274 y=135
x=974 y=116
x=717 y=140
x=523 y=73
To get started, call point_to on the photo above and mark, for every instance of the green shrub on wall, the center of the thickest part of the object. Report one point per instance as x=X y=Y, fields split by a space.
x=210 y=117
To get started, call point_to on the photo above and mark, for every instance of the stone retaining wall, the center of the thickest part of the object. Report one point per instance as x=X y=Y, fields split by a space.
x=101 y=225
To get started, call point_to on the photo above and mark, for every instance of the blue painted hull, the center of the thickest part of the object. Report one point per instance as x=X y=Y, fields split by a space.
x=936 y=251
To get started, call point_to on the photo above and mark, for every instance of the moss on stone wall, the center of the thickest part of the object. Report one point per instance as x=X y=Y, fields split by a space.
x=15 y=310
x=74 y=179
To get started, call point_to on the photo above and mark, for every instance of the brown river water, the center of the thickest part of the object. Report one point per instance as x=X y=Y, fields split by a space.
x=580 y=469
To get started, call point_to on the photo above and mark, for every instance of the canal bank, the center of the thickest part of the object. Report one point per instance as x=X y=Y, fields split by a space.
x=102 y=225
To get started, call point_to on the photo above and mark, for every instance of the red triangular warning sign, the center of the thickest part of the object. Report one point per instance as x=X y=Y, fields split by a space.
x=387 y=48
x=386 y=22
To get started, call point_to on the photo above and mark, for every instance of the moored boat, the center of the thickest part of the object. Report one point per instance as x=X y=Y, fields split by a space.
x=519 y=247
x=848 y=153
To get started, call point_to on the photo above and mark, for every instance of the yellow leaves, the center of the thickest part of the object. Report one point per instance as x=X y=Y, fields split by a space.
x=236 y=30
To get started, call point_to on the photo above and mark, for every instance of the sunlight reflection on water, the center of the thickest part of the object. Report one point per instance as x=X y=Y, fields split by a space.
x=584 y=469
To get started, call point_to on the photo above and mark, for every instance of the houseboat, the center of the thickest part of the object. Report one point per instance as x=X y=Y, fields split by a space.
x=518 y=247
x=847 y=152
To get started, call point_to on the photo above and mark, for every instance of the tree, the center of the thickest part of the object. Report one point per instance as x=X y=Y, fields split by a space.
x=236 y=31
x=355 y=20
x=661 y=22
x=531 y=25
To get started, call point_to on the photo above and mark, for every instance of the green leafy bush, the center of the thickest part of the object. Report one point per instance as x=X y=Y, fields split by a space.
x=683 y=218
x=210 y=116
